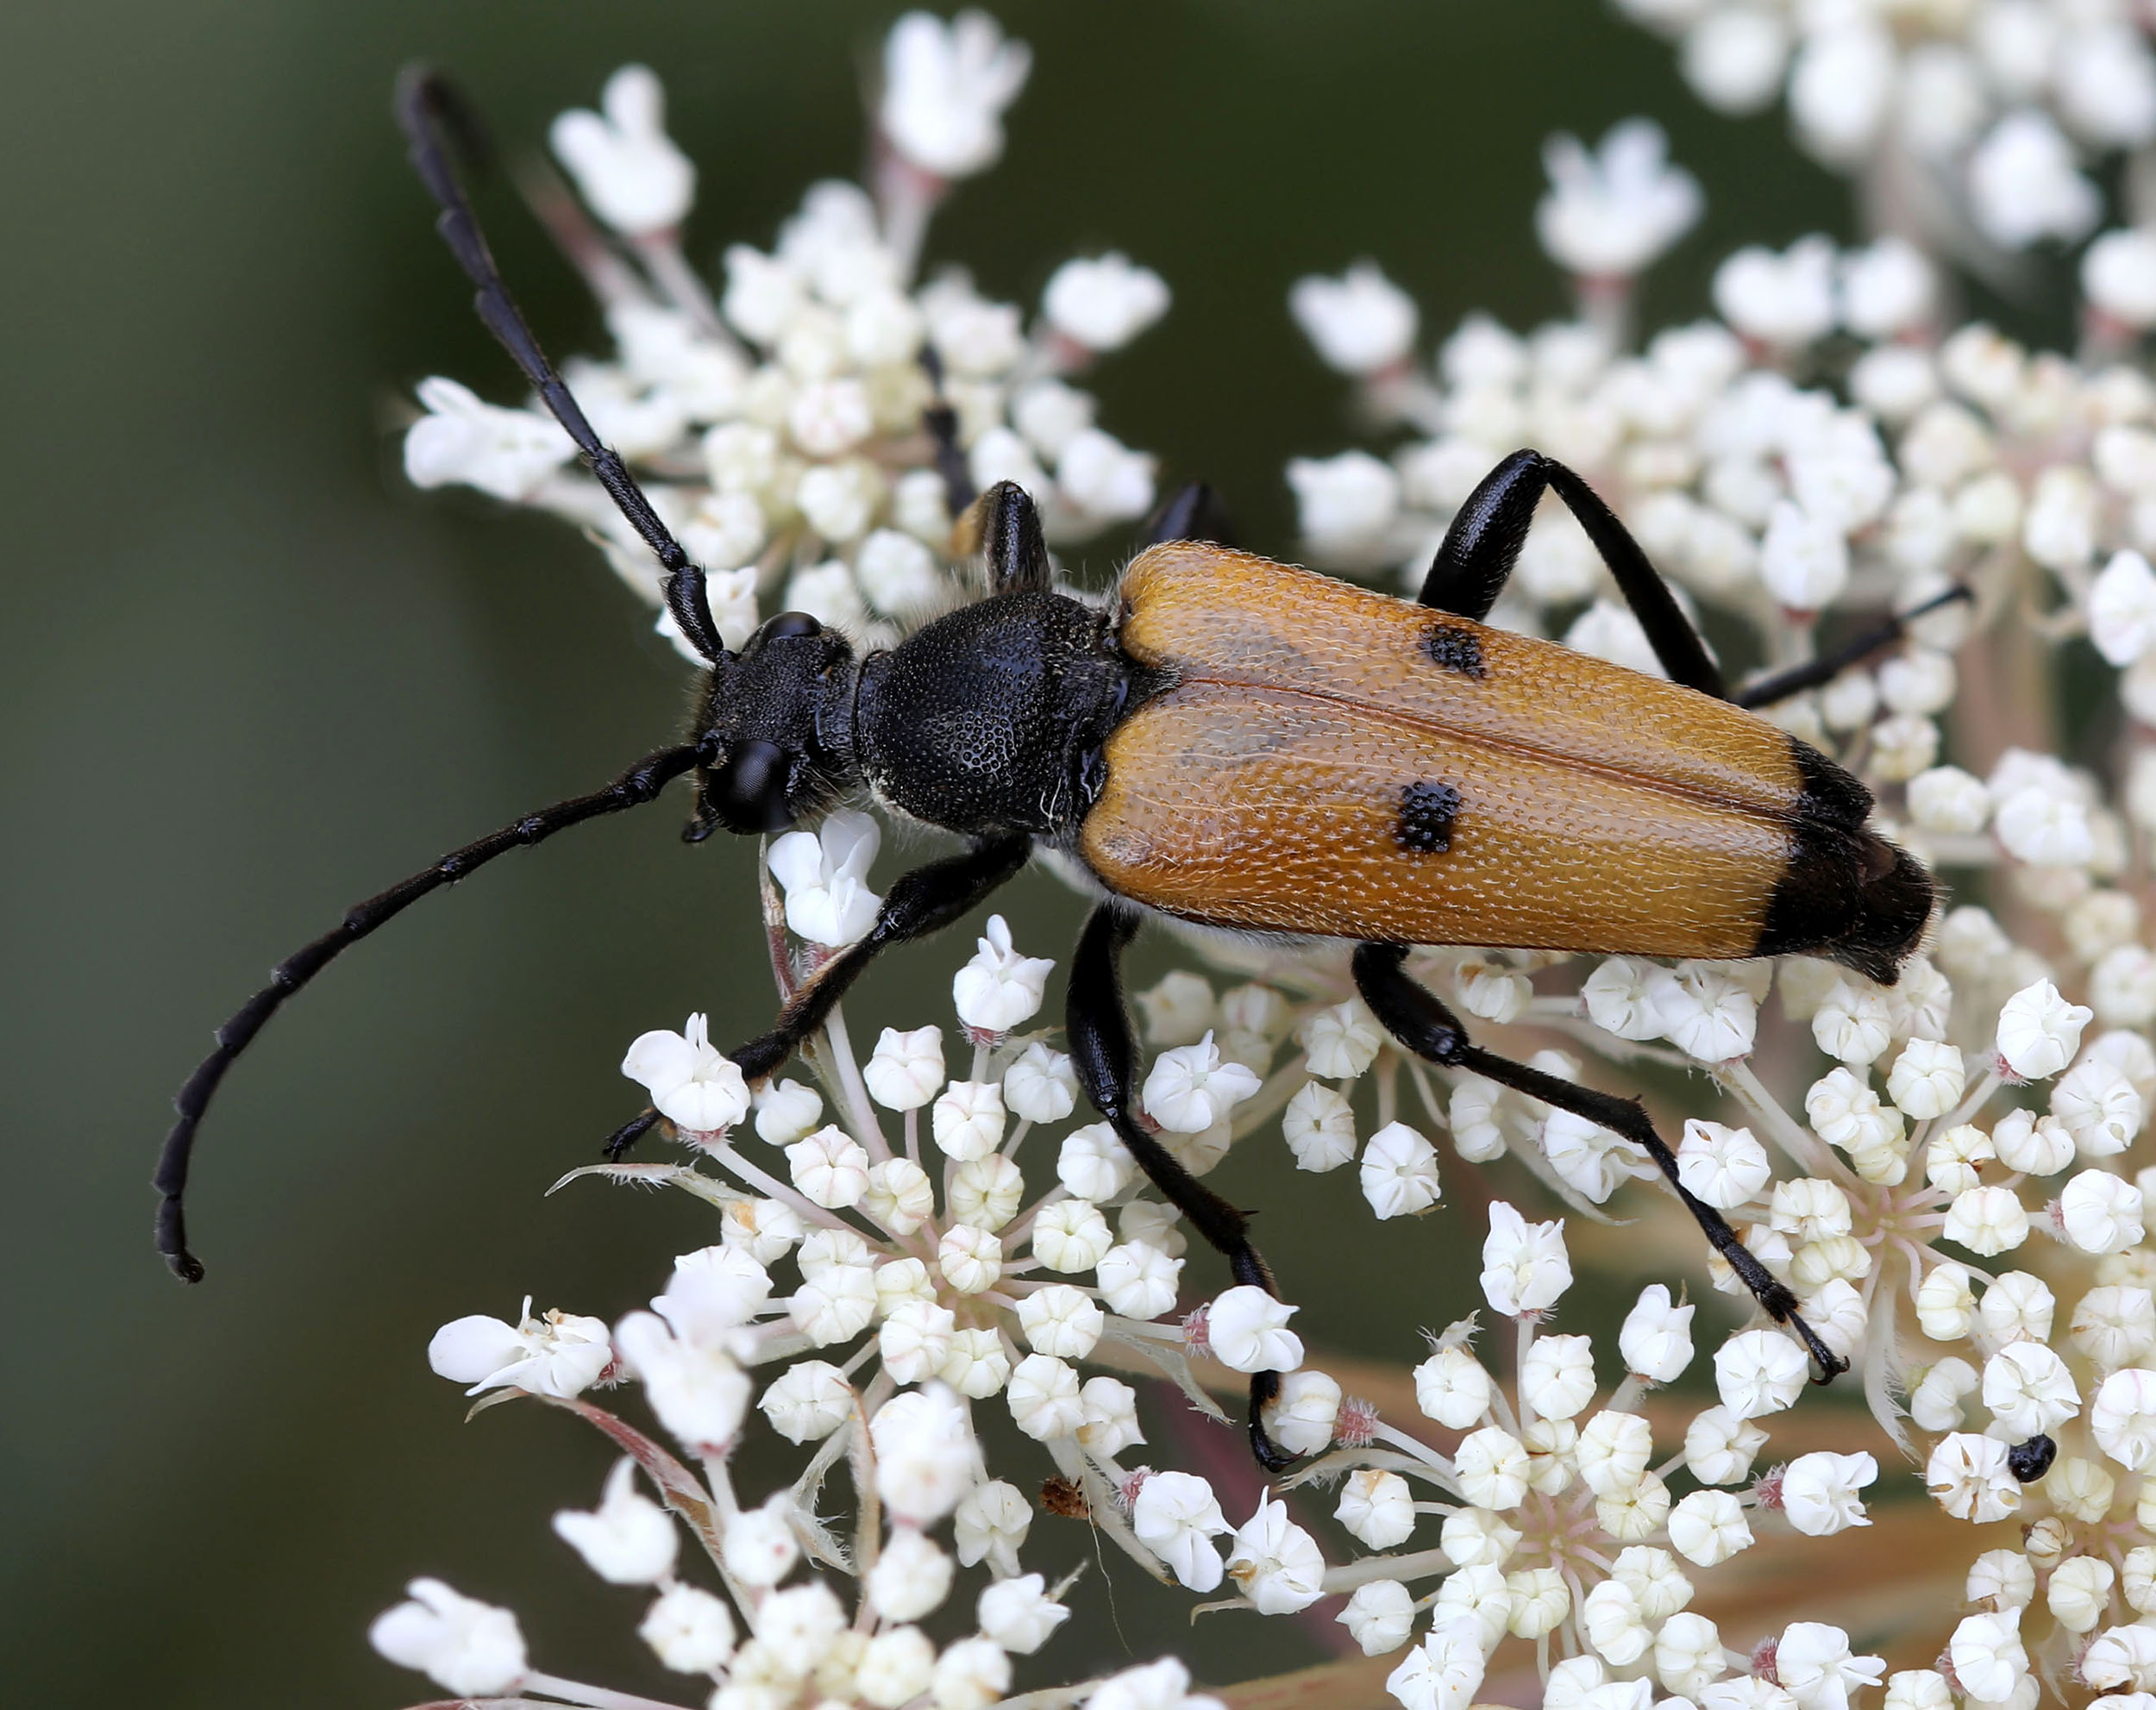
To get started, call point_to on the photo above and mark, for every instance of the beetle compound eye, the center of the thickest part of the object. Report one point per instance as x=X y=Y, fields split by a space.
x=788 y=625
x=748 y=792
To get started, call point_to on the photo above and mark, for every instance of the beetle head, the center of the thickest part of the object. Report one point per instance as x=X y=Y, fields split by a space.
x=777 y=720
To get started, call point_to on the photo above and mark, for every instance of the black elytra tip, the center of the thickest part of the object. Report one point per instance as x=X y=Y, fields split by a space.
x=2030 y=1461
x=1454 y=649
x=1427 y=813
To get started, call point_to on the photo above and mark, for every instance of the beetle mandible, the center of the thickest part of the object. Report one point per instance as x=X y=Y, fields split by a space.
x=1243 y=745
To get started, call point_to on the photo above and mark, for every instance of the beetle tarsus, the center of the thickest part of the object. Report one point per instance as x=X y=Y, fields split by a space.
x=1105 y=1055
x=1415 y=1016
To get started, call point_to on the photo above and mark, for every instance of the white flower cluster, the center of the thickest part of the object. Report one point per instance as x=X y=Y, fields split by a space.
x=866 y=1292
x=778 y=427
x=1989 y=112
x=1555 y=1519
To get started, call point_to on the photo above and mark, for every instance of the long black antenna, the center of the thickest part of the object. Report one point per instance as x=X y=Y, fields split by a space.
x=640 y=784
x=441 y=127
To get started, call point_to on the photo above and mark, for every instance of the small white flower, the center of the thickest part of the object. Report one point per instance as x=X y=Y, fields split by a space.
x=1968 y=1476
x=2098 y=1212
x=1019 y=1614
x=2121 y=1657
x=505 y=454
x=1442 y=1672
x=1987 y=1220
x=1814 y=1665
x=990 y=1522
x=760 y=1548
x=968 y=1119
x=1040 y=1086
x=1611 y=1620
x=2080 y=1592
x=1804 y=559
x=1525 y=1267
x=1104 y=303
x=1819 y=1492
x=561 y=1354
x=689 y=1630
x=1619 y=996
x=785 y=1110
x=2118 y=276
x=1399 y=1172
x=1176 y=1516
x=1303 y=1416
x=1927 y=1078
x=830 y=1166
x=1611 y=213
x=1138 y=1280
x=1732 y=57
x=1759 y=1372
x=2039 y=1031
x=691 y=1084
x=1706 y=1013
x=1071 y=1235
x=1093 y=1164
x=1719 y=1445
x=1708 y=1527
x=1379 y=1616
x=1452 y=1388
x=914 y=1340
x=970 y=1259
x=2122 y=1416
x=1378 y=1507
x=1557 y=1379
x=1656 y=1338
x=1988 y=1656
x=1060 y=1320
x=1043 y=1397
x=1275 y=1561
x=712 y=1292
x=906 y=1069
x=1688 y=1653
x=998 y=988
x=824 y=874
x=1247 y=1330
x=628 y=168
x=1190 y=1088
x=799 y=1625
x=1319 y=1127
x=2024 y=185
x=1344 y=504
x=807 y=1401
x=470 y=1648
x=1475 y=1538
x=1492 y=1468
x=1614 y=1448
x=945 y=86
x=1726 y=1167
x=1886 y=289
x=1362 y=323
x=1784 y=300
x=971 y=1674
x=926 y=1458
x=1342 y=1040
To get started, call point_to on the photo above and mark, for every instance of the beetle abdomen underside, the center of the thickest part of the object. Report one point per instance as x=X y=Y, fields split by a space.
x=1333 y=761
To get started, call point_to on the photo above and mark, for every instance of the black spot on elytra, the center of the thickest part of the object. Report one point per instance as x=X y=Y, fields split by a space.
x=1459 y=650
x=1427 y=813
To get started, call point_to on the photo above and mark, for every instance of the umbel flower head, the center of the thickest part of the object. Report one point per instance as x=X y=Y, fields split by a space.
x=923 y=1244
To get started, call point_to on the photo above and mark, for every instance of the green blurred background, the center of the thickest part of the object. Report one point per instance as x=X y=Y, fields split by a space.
x=250 y=676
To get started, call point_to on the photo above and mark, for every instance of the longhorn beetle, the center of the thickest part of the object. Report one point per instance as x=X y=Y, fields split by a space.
x=1241 y=744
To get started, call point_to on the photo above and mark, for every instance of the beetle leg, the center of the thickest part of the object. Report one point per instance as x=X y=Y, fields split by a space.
x=1195 y=513
x=1004 y=525
x=1780 y=685
x=1105 y=1058
x=926 y=900
x=1476 y=556
x=1415 y=1016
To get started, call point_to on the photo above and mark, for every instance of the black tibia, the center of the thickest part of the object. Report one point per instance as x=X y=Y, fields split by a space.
x=1194 y=513
x=441 y=127
x=1414 y=1015
x=1008 y=529
x=1476 y=556
x=942 y=423
x=1105 y=1058
x=1765 y=690
x=926 y=900
x=640 y=784
x=630 y=1133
